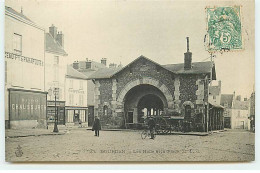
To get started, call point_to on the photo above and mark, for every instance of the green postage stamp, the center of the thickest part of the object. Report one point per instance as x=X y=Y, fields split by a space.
x=224 y=28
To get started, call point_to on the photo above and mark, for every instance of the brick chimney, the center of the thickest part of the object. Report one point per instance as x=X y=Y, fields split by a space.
x=53 y=31
x=76 y=65
x=187 y=57
x=60 y=39
x=104 y=61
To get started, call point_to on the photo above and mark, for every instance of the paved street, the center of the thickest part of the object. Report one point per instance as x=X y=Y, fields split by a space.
x=82 y=145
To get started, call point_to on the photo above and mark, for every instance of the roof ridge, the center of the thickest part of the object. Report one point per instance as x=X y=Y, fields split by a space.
x=192 y=62
x=69 y=67
x=142 y=56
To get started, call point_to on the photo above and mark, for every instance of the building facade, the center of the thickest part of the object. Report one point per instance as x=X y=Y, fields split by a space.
x=215 y=93
x=88 y=67
x=216 y=111
x=143 y=88
x=236 y=111
x=25 y=99
x=76 y=109
x=55 y=71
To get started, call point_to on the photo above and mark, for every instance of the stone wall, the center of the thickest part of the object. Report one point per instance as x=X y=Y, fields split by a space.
x=145 y=69
x=178 y=89
x=188 y=88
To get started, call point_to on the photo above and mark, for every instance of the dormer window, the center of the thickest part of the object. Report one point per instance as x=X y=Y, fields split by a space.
x=131 y=71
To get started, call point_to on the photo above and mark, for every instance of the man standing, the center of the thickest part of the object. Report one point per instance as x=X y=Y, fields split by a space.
x=96 y=126
x=151 y=125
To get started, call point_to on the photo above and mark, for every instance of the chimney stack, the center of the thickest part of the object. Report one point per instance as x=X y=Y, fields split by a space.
x=60 y=39
x=112 y=65
x=238 y=98
x=187 y=57
x=76 y=65
x=104 y=61
x=53 y=31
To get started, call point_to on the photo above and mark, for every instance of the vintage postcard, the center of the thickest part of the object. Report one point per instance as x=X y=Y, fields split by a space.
x=129 y=81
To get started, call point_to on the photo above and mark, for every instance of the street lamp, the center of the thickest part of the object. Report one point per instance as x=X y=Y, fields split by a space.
x=56 y=92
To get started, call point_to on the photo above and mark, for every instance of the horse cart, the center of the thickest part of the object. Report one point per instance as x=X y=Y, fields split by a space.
x=166 y=124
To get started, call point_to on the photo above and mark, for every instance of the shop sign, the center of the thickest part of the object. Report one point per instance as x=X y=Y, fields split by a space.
x=13 y=56
x=76 y=91
x=27 y=105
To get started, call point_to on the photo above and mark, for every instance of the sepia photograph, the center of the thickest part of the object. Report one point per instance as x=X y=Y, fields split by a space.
x=129 y=81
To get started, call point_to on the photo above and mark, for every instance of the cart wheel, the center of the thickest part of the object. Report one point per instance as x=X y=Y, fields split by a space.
x=163 y=126
x=144 y=134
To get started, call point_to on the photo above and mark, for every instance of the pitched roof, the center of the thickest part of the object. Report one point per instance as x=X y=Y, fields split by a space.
x=88 y=72
x=52 y=46
x=72 y=73
x=20 y=17
x=197 y=68
x=214 y=90
x=17 y=13
x=226 y=99
x=243 y=105
x=104 y=73
x=140 y=57
x=215 y=105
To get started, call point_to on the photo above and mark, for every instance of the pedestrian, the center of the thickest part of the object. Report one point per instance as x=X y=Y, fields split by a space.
x=80 y=123
x=96 y=126
x=151 y=126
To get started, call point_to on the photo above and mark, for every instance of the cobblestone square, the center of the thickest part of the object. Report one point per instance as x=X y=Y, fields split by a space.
x=81 y=145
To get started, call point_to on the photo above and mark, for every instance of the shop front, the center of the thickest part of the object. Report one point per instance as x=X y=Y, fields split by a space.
x=60 y=108
x=75 y=115
x=27 y=109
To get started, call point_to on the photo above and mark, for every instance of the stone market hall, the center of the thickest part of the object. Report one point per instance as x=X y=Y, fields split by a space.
x=124 y=97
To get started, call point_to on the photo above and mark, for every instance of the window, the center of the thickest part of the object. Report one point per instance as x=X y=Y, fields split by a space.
x=81 y=85
x=157 y=69
x=71 y=97
x=81 y=102
x=56 y=73
x=105 y=109
x=71 y=83
x=56 y=60
x=17 y=44
x=60 y=94
x=214 y=97
x=188 y=111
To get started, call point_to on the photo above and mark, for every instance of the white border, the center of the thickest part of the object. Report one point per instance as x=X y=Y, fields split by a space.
x=177 y=165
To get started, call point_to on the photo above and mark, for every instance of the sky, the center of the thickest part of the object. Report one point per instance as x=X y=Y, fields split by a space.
x=122 y=30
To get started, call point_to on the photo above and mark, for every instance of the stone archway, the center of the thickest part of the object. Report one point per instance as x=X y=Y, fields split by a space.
x=149 y=81
x=188 y=103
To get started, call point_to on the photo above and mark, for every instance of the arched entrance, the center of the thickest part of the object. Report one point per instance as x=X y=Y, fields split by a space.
x=143 y=101
x=149 y=105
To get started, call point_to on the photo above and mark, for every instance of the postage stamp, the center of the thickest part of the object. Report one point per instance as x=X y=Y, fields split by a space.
x=224 y=28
